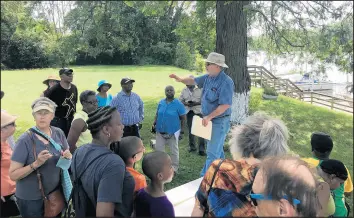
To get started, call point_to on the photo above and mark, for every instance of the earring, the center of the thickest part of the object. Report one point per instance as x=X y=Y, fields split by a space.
x=109 y=135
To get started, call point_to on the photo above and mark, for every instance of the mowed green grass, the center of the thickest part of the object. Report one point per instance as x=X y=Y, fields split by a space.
x=24 y=86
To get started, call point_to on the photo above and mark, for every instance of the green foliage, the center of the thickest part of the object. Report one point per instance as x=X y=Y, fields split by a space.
x=255 y=101
x=199 y=63
x=267 y=90
x=184 y=59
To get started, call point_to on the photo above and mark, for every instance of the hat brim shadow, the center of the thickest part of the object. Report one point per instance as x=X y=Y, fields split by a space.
x=108 y=84
x=221 y=65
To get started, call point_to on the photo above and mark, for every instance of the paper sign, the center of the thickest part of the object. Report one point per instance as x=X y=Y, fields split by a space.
x=64 y=163
x=199 y=130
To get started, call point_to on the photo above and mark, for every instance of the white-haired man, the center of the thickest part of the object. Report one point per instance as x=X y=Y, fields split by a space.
x=216 y=101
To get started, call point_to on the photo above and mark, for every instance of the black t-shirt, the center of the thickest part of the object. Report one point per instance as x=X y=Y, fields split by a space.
x=66 y=100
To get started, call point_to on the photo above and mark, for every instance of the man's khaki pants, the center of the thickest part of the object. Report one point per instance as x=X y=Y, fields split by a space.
x=173 y=143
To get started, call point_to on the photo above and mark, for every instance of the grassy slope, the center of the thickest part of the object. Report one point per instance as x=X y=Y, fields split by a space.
x=22 y=87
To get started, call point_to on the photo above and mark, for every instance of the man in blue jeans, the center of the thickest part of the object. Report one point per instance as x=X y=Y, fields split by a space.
x=216 y=100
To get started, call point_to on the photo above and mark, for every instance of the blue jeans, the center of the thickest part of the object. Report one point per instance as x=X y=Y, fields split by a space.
x=215 y=147
x=31 y=208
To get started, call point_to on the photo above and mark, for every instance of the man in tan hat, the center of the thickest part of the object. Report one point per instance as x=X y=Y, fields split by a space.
x=216 y=101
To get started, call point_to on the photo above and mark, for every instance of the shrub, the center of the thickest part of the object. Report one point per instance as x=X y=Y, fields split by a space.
x=25 y=53
x=161 y=53
x=199 y=63
x=267 y=90
x=184 y=59
x=255 y=101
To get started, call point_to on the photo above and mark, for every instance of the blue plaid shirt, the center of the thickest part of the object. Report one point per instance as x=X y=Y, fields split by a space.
x=130 y=108
x=217 y=91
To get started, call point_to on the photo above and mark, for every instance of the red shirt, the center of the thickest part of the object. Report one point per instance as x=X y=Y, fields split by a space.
x=140 y=181
x=8 y=186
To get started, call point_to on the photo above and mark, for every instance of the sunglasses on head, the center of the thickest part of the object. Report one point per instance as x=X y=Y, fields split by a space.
x=254 y=197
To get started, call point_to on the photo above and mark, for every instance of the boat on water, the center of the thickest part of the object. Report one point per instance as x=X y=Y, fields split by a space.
x=307 y=83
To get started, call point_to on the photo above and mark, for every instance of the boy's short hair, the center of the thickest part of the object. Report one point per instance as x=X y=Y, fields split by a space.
x=153 y=163
x=129 y=146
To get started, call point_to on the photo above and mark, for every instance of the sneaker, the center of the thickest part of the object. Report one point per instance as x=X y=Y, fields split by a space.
x=192 y=149
x=202 y=153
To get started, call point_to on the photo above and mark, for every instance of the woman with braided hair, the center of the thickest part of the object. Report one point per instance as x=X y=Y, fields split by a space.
x=108 y=186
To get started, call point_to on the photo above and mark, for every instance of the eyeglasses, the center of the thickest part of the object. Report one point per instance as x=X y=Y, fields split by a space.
x=138 y=152
x=92 y=102
x=10 y=124
x=208 y=64
x=68 y=73
x=254 y=197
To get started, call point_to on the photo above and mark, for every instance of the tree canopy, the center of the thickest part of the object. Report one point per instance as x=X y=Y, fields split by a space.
x=57 y=33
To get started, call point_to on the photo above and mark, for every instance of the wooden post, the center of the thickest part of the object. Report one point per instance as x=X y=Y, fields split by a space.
x=332 y=102
x=274 y=83
x=287 y=86
x=311 y=98
x=261 y=78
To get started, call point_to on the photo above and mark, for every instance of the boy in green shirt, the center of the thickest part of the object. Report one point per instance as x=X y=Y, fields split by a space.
x=321 y=146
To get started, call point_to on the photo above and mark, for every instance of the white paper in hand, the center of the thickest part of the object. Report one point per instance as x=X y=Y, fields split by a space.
x=199 y=130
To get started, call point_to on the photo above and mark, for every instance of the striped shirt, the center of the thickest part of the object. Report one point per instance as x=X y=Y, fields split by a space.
x=130 y=108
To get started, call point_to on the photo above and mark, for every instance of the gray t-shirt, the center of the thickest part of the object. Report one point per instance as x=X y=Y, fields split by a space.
x=28 y=187
x=106 y=179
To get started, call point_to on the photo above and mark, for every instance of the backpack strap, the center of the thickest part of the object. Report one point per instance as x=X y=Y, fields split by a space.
x=77 y=178
x=206 y=208
x=89 y=164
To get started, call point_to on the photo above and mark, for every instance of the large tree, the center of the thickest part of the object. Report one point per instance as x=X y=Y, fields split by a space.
x=277 y=19
x=231 y=41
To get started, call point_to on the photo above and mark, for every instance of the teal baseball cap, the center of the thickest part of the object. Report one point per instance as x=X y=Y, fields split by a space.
x=103 y=82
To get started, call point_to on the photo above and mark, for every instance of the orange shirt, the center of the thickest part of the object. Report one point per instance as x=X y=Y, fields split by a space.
x=140 y=181
x=8 y=186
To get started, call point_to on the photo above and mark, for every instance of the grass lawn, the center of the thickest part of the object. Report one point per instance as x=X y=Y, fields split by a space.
x=24 y=86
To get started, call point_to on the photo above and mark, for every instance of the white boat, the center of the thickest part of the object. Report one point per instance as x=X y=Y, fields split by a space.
x=306 y=83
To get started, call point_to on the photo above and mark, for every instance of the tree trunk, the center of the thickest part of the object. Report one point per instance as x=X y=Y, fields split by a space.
x=231 y=41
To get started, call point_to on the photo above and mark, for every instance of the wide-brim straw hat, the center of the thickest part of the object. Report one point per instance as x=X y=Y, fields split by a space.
x=51 y=77
x=7 y=118
x=217 y=59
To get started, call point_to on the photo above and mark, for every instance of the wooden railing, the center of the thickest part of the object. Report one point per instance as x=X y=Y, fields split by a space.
x=329 y=101
x=261 y=76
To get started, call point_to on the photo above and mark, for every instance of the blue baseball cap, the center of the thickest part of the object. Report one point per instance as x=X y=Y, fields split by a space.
x=103 y=82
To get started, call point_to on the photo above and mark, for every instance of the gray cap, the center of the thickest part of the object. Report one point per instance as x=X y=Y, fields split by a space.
x=43 y=103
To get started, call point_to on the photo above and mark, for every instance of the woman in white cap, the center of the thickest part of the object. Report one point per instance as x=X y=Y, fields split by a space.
x=34 y=162
x=8 y=187
x=103 y=97
x=50 y=82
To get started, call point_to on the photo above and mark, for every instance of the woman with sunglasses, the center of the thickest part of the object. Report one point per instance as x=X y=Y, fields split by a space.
x=8 y=187
x=34 y=163
x=79 y=134
x=231 y=181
